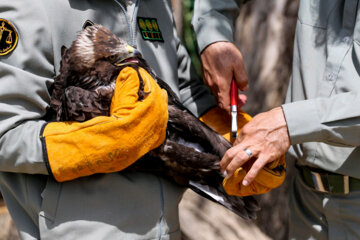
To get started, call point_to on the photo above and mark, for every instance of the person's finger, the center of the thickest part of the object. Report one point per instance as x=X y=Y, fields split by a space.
x=254 y=170
x=226 y=159
x=208 y=78
x=241 y=76
x=223 y=96
x=237 y=159
x=242 y=98
x=223 y=100
x=229 y=156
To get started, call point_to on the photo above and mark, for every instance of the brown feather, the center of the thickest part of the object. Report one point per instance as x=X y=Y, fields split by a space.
x=84 y=88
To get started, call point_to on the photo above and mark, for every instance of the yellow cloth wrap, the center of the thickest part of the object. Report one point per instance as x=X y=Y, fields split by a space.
x=270 y=177
x=110 y=143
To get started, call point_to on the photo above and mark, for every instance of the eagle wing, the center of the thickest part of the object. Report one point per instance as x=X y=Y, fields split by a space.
x=79 y=104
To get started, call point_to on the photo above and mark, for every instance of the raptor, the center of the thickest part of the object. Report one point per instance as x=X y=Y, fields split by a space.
x=191 y=152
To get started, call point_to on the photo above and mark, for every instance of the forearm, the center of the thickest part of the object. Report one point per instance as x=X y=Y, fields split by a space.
x=23 y=102
x=214 y=21
x=334 y=120
x=21 y=151
x=26 y=74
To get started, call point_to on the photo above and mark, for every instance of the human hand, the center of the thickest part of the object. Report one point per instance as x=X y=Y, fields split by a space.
x=222 y=62
x=266 y=135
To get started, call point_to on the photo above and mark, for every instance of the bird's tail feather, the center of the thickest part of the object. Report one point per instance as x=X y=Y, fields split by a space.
x=244 y=207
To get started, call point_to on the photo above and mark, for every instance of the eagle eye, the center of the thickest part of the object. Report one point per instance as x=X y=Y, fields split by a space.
x=112 y=58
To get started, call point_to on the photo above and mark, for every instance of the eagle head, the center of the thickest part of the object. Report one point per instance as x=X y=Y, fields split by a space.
x=97 y=43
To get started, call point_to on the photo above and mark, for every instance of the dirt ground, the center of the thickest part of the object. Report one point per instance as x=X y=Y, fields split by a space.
x=201 y=219
x=8 y=231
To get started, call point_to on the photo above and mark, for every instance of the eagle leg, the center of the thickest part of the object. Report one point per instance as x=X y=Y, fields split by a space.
x=186 y=160
x=141 y=93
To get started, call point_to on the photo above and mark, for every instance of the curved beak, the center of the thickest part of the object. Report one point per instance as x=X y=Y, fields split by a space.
x=136 y=53
x=133 y=51
x=133 y=56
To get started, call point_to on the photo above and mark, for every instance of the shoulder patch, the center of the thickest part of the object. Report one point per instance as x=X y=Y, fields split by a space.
x=8 y=37
x=149 y=29
x=88 y=23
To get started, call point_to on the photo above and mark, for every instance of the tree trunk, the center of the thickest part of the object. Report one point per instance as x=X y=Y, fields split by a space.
x=265 y=35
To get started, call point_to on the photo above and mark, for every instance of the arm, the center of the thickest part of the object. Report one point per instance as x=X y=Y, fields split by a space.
x=107 y=144
x=214 y=21
x=329 y=120
x=68 y=150
x=334 y=120
x=24 y=93
x=222 y=61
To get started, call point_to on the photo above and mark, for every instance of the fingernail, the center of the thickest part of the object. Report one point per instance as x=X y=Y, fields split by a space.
x=225 y=174
x=245 y=183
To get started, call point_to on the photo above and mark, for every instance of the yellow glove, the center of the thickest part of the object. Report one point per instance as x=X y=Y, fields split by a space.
x=270 y=177
x=109 y=143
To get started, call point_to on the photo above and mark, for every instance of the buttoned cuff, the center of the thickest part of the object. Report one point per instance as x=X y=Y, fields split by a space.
x=303 y=121
x=212 y=27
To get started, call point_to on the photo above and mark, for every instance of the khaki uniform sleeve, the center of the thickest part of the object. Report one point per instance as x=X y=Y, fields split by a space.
x=214 y=20
x=334 y=120
x=26 y=74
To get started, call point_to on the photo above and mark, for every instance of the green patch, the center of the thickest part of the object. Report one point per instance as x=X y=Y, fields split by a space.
x=149 y=29
x=8 y=37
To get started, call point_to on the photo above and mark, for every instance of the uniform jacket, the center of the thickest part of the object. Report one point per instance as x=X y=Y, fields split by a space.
x=112 y=206
x=322 y=110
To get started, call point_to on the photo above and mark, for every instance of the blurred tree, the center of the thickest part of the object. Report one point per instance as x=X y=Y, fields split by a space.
x=265 y=35
x=189 y=38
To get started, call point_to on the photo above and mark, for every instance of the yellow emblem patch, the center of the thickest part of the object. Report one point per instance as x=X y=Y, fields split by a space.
x=8 y=37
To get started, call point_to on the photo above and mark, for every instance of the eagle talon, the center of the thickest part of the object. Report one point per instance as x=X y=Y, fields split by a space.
x=142 y=95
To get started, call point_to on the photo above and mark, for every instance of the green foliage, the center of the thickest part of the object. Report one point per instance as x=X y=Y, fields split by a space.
x=189 y=35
